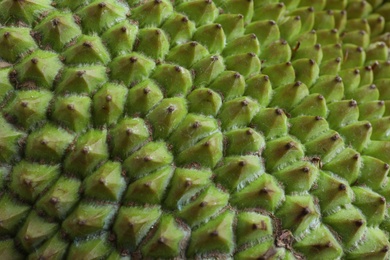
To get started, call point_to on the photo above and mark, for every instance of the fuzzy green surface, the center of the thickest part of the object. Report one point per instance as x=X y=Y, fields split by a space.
x=194 y=129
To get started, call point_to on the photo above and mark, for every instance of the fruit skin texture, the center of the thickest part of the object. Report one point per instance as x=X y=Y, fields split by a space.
x=194 y=129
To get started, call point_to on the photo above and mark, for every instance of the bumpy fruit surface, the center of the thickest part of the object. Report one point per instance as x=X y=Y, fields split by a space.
x=194 y=129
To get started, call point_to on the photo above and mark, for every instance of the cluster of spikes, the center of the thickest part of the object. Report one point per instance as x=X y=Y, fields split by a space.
x=194 y=129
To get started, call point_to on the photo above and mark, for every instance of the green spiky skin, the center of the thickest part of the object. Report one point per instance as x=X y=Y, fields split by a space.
x=194 y=129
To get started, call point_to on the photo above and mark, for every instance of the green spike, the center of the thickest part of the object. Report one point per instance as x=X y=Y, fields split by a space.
x=312 y=105
x=358 y=9
x=365 y=94
x=271 y=122
x=326 y=145
x=87 y=50
x=371 y=110
x=40 y=67
x=245 y=63
x=320 y=243
x=33 y=177
x=265 y=250
x=342 y=113
x=280 y=74
x=72 y=112
x=89 y=150
x=206 y=152
x=184 y=185
x=212 y=36
x=98 y=16
x=167 y=115
x=332 y=52
x=120 y=38
x=328 y=37
x=207 y=69
x=152 y=42
x=238 y=112
x=236 y=171
x=330 y=67
x=175 y=80
x=270 y=11
x=282 y=151
x=349 y=223
x=179 y=28
x=127 y=136
x=200 y=11
x=187 y=54
x=206 y=205
x=133 y=223
x=366 y=76
x=290 y=27
x=204 y=101
x=150 y=157
x=375 y=246
x=377 y=51
x=35 y=231
x=307 y=17
x=306 y=128
x=9 y=142
x=324 y=20
x=86 y=79
x=373 y=172
x=340 y=19
x=12 y=214
x=354 y=56
x=298 y=177
x=232 y=24
x=48 y=144
x=312 y=52
x=192 y=129
x=240 y=7
x=151 y=13
x=347 y=164
x=87 y=219
x=151 y=188
x=330 y=87
x=265 y=31
x=275 y=53
x=216 y=235
x=357 y=24
x=381 y=128
x=264 y=192
x=143 y=97
x=106 y=183
x=108 y=104
x=131 y=68
x=54 y=248
x=60 y=199
x=357 y=134
x=372 y=204
x=25 y=11
x=94 y=248
x=298 y=213
x=376 y=23
x=14 y=42
x=332 y=192
x=252 y=227
x=295 y=91
x=243 y=44
x=230 y=84
x=379 y=149
x=244 y=141
x=259 y=88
